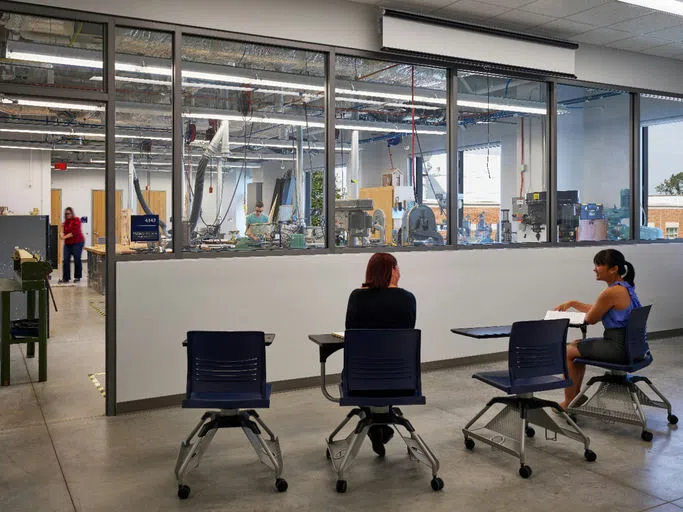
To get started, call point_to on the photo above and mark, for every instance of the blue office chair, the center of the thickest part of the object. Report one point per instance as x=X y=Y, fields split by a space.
x=227 y=371
x=618 y=398
x=536 y=362
x=381 y=370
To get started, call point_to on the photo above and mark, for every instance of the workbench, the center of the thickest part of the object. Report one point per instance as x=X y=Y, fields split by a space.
x=11 y=335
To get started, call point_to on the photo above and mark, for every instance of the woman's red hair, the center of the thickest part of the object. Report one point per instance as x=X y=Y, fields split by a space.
x=378 y=273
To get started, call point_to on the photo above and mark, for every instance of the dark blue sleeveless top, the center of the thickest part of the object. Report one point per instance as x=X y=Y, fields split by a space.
x=615 y=319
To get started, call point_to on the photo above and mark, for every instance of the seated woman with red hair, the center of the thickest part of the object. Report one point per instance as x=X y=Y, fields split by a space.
x=381 y=304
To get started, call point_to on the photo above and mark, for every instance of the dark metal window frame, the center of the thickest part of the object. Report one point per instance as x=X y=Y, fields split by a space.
x=107 y=97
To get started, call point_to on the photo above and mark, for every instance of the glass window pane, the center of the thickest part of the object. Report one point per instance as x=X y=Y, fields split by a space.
x=592 y=164
x=391 y=154
x=144 y=136
x=661 y=121
x=51 y=51
x=502 y=162
x=47 y=148
x=254 y=119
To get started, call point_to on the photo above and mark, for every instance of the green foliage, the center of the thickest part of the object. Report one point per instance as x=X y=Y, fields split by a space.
x=318 y=197
x=672 y=186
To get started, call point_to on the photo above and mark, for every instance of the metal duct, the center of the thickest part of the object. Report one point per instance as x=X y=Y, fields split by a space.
x=213 y=148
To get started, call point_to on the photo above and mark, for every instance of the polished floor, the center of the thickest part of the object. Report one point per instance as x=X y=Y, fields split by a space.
x=59 y=453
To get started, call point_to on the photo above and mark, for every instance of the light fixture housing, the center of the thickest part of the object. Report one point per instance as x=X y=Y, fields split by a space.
x=669 y=6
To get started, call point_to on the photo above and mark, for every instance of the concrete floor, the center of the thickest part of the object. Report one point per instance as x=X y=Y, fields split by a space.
x=58 y=452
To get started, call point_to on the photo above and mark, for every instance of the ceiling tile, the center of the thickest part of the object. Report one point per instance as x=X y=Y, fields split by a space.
x=510 y=4
x=521 y=19
x=636 y=44
x=473 y=8
x=601 y=36
x=674 y=50
x=673 y=34
x=609 y=14
x=562 y=8
x=649 y=23
x=417 y=5
x=563 y=28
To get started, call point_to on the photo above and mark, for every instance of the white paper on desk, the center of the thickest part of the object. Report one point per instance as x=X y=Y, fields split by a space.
x=575 y=317
x=338 y=335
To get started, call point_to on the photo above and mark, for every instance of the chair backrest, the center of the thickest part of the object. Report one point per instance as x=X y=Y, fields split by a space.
x=636 y=335
x=226 y=362
x=382 y=361
x=538 y=349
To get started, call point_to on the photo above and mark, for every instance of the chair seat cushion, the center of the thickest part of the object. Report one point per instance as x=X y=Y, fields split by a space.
x=637 y=365
x=228 y=400
x=501 y=380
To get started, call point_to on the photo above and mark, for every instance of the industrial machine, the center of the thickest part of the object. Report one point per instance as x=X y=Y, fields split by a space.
x=352 y=221
x=567 y=213
x=592 y=225
x=30 y=270
x=505 y=227
x=379 y=221
x=419 y=227
x=618 y=218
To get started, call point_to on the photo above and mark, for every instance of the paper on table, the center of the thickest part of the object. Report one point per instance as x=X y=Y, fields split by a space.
x=338 y=335
x=575 y=317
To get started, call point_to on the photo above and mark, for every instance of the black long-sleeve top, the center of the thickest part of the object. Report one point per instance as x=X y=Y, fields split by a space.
x=381 y=308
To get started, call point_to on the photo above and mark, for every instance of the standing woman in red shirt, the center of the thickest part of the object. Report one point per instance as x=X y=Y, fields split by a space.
x=73 y=246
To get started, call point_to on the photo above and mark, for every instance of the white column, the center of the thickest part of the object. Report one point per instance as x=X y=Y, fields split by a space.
x=353 y=172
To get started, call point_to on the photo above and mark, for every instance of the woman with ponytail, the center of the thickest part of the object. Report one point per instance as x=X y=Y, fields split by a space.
x=612 y=308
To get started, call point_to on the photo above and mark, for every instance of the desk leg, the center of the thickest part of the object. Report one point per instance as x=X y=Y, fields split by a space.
x=4 y=340
x=42 y=331
x=30 y=314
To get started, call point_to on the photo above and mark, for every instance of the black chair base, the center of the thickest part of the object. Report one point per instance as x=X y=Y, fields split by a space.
x=508 y=429
x=619 y=399
x=342 y=452
x=193 y=448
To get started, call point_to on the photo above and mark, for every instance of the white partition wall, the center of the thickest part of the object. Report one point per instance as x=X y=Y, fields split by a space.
x=292 y=296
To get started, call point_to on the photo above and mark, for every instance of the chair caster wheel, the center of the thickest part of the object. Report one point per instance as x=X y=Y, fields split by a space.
x=673 y=419
x=281 y=485
x=525 y=471
x=341 y=485
x=530 y=432
x=646 y=435
x=327 y=454
x=590 y=455
x=469 y=444
x=437 y=483
x=183 y=492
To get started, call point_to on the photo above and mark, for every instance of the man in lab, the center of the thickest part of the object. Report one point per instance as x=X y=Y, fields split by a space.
x=257 y=217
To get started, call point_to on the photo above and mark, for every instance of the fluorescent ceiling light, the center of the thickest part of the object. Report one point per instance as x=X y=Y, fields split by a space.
x=52 y=132
x=75 y=150
x=315 y=124
x=284 y=145
x=502 y=106
x=198 y=75
x=80 y=168
x=393 y=96
x=375 y=102
x=392 y=129
x=143 y=137
x=670 y=6
x=251 y=119
x=52 y=104
x=54 y=59
x=277 y=158
x=37 y=148
x=68 y=133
